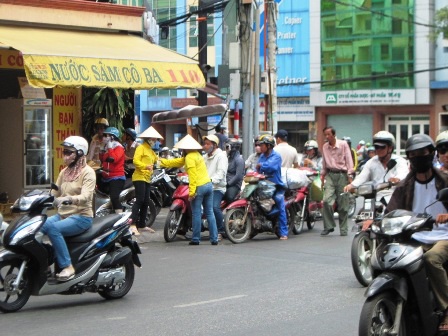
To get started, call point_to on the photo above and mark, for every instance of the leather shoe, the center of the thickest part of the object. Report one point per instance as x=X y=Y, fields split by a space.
x=214 y=243
x=193 y=243
x=326 y=232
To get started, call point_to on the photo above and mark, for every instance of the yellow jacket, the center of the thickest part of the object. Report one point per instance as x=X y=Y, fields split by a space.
x=143 y=157
x=195 y=165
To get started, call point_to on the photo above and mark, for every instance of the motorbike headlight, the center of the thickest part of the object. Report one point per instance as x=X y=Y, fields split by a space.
x=184 y=179
x=26 y=229
x=24 y=203
x=393 y=225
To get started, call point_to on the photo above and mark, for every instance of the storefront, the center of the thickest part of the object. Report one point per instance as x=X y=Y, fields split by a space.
x=60 y=62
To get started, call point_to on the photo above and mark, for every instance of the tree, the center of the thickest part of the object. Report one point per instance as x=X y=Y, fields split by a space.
x=112 y=104
x=440 y=23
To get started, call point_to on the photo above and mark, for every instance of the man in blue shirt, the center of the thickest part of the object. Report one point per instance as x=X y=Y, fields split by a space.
x=270 y=164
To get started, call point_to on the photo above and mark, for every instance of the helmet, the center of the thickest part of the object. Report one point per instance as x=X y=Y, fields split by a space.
x=442 y=139
x=131 y=132
x=362 y=142
x=212 y=138
x=347 y=138
x=370 y=149
x=235 y=144
x=267 y=139
x=78 y=143
x=310 y=144
x=256 y=139
x=383 y=137
x=113 y=131
x=164 y=149
x=102 y=121
x=419 y=141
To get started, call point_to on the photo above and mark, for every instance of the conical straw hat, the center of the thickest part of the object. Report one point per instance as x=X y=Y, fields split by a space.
x=188 y=142
x=150 y=133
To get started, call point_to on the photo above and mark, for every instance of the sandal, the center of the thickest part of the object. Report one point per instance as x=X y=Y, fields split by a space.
x=148 y=229
x=134 y=230
x=283 y=238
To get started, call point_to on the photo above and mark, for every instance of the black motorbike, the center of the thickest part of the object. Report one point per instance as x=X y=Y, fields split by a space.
x=162 y=188
x=400 y=300
x=103 y=256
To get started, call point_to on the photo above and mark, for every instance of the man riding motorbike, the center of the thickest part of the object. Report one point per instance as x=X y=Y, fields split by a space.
x=375 y=169
x=442 y=150
x=414 y=193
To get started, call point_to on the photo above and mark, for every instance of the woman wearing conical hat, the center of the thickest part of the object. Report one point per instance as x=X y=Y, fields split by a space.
x=200 y=187
x=144 y=160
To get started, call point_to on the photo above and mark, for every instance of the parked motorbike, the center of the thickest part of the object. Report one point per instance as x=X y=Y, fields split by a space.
x=364 y=242
x=162 y=188
x=254 y=212
x=178 y=221
x=103 y=256
x=400 y=300
x=103 y=205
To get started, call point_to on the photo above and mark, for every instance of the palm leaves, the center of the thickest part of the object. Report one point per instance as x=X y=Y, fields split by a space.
x=112 y=104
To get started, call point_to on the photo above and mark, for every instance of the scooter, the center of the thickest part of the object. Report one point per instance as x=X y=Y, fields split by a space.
x=400 y=300
x=104 y=256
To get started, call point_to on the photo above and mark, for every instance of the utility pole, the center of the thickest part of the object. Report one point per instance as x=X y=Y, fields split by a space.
x=202 y=45
x=272 y=62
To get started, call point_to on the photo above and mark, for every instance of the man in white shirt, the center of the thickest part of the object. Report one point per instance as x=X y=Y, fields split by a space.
x=287 y=152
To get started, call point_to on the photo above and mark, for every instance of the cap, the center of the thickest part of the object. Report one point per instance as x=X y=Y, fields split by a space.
x=212 y=138
x=281 y=133
x=151 y=133
x=188 y=142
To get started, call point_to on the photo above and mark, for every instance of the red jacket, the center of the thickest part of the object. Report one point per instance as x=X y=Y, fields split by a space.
x=116 y=168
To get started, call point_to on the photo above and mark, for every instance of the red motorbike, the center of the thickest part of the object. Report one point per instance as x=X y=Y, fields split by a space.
x=178 y=220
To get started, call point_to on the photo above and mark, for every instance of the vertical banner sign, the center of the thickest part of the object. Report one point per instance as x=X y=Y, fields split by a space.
x=66 y=121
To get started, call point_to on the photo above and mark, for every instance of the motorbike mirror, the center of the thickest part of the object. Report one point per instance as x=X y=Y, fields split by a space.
x=442 y=195
x=54 y=186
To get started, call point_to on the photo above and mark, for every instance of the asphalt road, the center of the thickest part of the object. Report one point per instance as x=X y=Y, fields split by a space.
x=302 y=286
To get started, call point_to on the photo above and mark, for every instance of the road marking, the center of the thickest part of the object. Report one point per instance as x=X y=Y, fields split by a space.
x=210 y=301
x=117 y=318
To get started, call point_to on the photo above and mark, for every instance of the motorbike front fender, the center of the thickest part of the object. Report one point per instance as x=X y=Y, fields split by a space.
x=241 y=203
x=385 y=282
x=178 y=204
x=6 y=255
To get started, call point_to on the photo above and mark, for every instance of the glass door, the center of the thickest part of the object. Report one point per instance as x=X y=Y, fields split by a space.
x=403 y=127
x=37 y=138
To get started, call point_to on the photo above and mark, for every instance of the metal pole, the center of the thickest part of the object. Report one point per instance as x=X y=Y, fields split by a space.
x=256 y=116
x=202 y=45
x=272 y=63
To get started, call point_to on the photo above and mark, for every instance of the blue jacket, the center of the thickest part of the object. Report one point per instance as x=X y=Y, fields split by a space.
x=271 y=166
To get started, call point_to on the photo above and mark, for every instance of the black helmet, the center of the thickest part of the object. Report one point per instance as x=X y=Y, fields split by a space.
x=419 y=141
x=131 y=132
x=267 y=139
x=235 y=144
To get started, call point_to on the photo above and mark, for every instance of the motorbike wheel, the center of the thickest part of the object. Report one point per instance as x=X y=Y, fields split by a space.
x=310 y=220
x=237 y=231
x=378 y=315
x=13 y=300
x=172 y=225
x=361 y=253
x=120 y=290
x=151 y=214
x=352 y=206
x=295 y=219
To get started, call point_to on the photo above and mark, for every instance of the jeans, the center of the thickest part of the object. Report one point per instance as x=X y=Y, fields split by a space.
x=279 y=198
x=56 y=229
x=140 y=207
x=217 y=198
x=204 y=197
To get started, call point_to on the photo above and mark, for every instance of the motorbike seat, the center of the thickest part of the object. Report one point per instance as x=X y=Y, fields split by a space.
x=99 y=226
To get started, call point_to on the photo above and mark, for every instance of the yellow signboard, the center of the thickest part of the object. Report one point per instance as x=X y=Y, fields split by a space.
x=66 y=121
x=51 y=71
x=10 y=59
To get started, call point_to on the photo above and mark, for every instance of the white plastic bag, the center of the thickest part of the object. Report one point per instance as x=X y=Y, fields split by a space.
x=294 y=178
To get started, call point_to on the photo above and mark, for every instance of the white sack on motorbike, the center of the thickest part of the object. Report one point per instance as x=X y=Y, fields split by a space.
x=294 y=178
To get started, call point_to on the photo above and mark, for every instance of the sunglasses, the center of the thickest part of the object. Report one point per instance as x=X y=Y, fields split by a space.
x=377 y=147
x=67 y=152
x=442 y=150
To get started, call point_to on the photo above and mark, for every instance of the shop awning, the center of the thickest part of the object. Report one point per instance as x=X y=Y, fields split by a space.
x=190 y=111
x=74 y=58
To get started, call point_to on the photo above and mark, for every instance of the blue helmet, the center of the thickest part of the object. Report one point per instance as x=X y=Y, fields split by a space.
x=131 y=132
x=113 y=131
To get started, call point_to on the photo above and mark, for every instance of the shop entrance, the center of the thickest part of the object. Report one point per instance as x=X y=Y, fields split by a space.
x=402 y=127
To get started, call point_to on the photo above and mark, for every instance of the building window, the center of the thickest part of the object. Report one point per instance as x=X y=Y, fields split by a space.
x=374 y=40
x=193 y=30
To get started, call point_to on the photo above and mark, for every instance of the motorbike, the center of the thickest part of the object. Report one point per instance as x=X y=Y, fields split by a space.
x=364 y=242
x=300 y=208
x=178 y=221
x=103 y=256
x=103 y=205
x=162 y=188
x=254 y=212
x=399 y=300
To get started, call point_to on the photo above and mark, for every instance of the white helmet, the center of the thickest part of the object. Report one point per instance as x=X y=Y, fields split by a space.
x=78 y=143
x=384 y=137
x=310 y=144
x=442 y=138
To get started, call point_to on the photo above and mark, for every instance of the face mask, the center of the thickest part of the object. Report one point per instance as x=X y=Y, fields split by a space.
x=421 y=164
x=209 y=150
